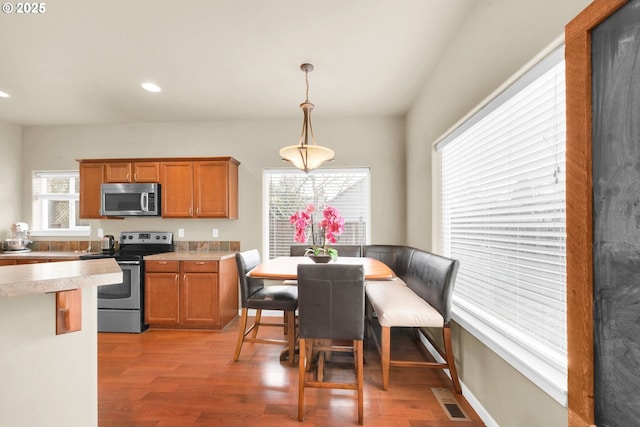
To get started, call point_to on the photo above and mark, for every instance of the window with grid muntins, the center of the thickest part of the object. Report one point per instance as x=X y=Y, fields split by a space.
x=503 y=217
x=56 y=201
x=287 y=191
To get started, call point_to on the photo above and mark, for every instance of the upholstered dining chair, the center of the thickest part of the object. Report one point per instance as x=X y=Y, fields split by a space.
x=331 y=318
x=254 y=295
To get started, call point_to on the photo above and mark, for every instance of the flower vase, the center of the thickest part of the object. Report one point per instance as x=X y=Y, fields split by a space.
x=320 y=259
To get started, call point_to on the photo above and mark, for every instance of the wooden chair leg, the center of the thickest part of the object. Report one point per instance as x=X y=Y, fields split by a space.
x=448 y=348
x=358 y=344
x=385 y=356
x=290 y=330
x=321 y=358
x=301 y=377
x=285 y=320
x=257 y=323
x=243 y=328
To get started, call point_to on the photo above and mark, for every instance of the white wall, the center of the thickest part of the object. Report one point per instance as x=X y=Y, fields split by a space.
x=377 y=143
x=10 y=184
x=47 y=380
x=499 y=38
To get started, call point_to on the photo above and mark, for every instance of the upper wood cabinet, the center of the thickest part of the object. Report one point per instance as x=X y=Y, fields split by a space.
x=200 y=189
x=176 y=185
x=216 y=189
x=132 y=172
x=192 y=187
x=91 y=177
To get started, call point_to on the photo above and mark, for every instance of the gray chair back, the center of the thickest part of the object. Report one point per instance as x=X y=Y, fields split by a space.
x=394 y=256
x=247 y=261
x=331 y=301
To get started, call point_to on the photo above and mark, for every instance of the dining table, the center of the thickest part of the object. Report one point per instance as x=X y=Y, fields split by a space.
x=286 y=268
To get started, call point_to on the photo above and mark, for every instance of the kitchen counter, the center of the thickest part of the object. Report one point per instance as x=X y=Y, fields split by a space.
x=44 y=369
x=30 y=279
x=191 y=256
x=38 y=255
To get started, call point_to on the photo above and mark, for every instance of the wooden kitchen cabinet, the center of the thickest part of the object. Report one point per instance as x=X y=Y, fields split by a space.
x=162 y=293
x=191 y=187
x=199 y=293
x=216 y=189
x=200 y=189
x=91 y=177
x=177 y=189
x=190 y=294
x=132 y=171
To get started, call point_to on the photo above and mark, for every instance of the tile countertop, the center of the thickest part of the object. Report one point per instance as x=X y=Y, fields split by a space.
x=60 y=255
x=191 y=256
x=42 y=278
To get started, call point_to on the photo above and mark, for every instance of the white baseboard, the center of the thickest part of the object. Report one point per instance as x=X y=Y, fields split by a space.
x=475 y=403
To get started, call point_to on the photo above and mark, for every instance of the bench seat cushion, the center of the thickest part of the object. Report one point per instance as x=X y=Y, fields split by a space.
x=399 y=306
x=395 y=281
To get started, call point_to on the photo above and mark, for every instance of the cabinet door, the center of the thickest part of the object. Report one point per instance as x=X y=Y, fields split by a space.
x=91 y=177
x=146 y=172
x=199 y=299
x=162 y=299
x=117 y=172
x=215 y=190
x=177 y=189
x=8 y=262
x=211 y=194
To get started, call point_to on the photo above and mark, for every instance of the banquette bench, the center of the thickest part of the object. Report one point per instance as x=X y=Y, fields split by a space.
x=420 y=297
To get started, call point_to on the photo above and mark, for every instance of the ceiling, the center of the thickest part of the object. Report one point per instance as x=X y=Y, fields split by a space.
x=82 y=61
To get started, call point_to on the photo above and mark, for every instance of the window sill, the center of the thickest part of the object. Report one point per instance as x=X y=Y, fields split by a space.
x=542 y=374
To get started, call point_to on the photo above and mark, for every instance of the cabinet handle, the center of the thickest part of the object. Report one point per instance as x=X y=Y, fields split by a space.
x=135 y=176
x=128 y=177
x=197 y=211
x=190 y=211
x=162 y=262
x=200 y=262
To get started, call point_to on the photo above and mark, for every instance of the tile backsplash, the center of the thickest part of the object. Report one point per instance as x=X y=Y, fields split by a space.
x=179 y=246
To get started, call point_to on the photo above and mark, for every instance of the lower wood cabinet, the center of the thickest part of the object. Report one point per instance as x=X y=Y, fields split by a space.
x=191 y=294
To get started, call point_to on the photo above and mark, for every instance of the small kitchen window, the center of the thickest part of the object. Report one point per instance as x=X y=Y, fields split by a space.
x=56 y=198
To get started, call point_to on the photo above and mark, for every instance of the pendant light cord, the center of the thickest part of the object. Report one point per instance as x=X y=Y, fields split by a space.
x=306 y=79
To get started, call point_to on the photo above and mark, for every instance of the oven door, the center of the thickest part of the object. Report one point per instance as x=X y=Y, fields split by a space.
x=125 y=295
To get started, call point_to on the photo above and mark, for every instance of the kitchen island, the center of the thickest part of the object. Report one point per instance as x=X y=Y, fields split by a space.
x=50 y=379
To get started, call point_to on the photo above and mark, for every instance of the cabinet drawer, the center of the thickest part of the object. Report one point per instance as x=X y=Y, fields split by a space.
x=200 y=266
x=162 y=266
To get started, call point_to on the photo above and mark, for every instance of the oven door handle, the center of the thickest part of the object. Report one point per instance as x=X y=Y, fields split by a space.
x=128 y=262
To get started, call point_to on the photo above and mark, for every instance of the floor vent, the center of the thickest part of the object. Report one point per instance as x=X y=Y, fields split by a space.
x=449 y=404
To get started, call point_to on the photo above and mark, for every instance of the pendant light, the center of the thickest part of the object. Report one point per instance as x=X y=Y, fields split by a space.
x=307 y=155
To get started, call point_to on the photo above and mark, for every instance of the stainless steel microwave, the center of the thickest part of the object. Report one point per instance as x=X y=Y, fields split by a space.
x=136 y=199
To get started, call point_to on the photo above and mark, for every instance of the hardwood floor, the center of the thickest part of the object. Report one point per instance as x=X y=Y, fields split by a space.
x=188 y=378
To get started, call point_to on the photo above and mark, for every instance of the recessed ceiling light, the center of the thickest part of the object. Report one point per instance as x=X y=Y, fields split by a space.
x=151 y=87
x=4 y=95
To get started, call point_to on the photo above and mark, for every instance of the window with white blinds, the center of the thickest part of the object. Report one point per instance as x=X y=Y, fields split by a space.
x=503 y=217
x=289 y=190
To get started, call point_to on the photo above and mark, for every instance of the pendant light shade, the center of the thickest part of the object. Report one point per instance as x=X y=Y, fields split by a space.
x=307 y=155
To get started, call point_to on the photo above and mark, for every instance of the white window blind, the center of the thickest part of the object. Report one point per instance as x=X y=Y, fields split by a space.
x=288 y=190
x=503 y=217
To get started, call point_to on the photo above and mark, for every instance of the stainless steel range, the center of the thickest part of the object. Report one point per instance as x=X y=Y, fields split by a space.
x=121 y=306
